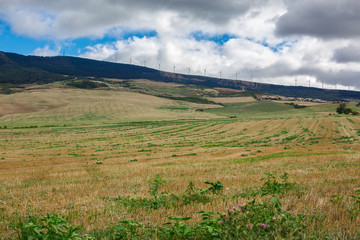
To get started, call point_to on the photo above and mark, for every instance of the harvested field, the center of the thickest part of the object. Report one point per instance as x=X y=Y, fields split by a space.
x=91 y=170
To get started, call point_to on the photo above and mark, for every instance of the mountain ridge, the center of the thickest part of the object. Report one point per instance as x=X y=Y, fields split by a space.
x=16 y=68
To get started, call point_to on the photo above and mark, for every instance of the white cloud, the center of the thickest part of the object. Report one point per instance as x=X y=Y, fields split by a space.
x=46 y=51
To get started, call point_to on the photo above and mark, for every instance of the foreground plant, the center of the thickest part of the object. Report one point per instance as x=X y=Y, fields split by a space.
x=164 y=199
x=250 y=220
x=47 y=227
x=262 y=220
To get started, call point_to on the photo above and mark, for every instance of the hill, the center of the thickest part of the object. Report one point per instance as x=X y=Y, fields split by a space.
x=20 y=69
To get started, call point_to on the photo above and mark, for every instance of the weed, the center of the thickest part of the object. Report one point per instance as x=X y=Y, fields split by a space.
x=273 y=187
x=353 y=207
x=47 y=227
x=215 y=187
x=166 y=200
x=263 y=220
x=154 y=185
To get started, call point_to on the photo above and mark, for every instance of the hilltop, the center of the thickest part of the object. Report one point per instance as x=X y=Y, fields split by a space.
x=20 y=69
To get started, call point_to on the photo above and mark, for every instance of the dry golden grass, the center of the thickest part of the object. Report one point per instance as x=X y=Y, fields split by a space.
x=67 y=106
x=302 y=103
x=71 y=170
x=232 y=99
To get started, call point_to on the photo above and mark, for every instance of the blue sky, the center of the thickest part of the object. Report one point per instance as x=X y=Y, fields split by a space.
x=274 y=41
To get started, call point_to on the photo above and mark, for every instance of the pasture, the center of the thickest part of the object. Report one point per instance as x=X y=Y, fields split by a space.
x=98 y=157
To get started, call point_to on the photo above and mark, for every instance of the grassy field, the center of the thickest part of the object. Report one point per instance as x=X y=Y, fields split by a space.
x=98 y=157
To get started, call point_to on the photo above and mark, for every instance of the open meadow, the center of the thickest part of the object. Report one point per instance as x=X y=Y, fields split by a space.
x=99 y=157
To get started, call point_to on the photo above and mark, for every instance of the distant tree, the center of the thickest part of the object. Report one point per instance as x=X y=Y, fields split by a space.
x=86 y=84
x=348 y=111
x=341 y=108
x=358 y=105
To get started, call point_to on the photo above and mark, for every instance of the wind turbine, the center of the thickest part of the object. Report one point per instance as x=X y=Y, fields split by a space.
x=309 y=82
x=159 y=66
x=252 y=78
x=236 y=74
x=145 y=63
x=205 y=71
x=189 y=68
x=295 y=81
x=220 y=73
x=130 y=60
x=174 y=68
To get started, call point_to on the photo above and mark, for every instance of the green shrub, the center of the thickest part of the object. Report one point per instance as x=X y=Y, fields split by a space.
x=263 y=220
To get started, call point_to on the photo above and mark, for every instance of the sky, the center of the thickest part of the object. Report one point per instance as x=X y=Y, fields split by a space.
x=303 y=42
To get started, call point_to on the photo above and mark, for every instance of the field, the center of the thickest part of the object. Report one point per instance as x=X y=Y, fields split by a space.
x=98 y=157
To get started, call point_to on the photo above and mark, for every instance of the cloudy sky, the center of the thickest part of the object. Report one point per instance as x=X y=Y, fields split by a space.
x=272 y=41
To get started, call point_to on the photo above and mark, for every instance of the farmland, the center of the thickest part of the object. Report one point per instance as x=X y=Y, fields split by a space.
x=98 y=157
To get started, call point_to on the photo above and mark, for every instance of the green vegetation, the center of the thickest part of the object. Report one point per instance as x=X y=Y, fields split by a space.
x=343 y=109
x=48 y=226
x=85 y=84
x=296 y=106
x=260 y=107
x=164 y=199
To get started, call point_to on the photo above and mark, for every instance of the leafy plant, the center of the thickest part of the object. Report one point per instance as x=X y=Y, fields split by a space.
x=353 y=207
x=155 y=184
x=215 y=187
x=47 y=227
x=165 y=199
x=273 y=187
x=129 y=230
x=263 y=220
